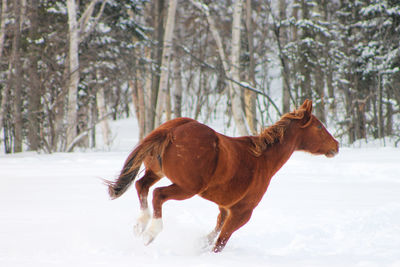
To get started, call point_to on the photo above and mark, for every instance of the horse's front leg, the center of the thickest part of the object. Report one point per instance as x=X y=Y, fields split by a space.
x=237 y=217
x=223 y=213
x=142 y=187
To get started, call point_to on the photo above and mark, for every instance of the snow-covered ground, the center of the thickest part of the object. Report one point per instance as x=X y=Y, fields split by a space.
x=345 y=211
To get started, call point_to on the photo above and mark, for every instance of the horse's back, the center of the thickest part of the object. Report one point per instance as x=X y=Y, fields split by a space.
x=171 y=124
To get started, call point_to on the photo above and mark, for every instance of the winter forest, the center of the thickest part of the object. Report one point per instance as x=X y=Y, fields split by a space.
x=94 y=77
x=69 y=67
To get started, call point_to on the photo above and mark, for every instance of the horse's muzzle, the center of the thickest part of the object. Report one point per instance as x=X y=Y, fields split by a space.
x=331 y=153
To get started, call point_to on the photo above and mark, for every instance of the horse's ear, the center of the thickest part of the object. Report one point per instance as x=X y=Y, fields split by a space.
x=307 y=106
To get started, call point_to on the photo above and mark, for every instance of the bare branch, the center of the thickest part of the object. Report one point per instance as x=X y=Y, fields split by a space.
x=243 y=85
x=84 y=31
x=84 y=133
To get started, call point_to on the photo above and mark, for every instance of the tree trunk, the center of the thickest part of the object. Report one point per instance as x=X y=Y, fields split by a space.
x=7 y=130
x=5 y=90
x=235 y=93
x=305 y=66
x=168 y=106
x=165 y=62
x=142 y=111
x=57 y=141
x=295 y=64
x=94 y=114
x=327 y=7
x=3 y=105
x=283 y=41
x=389 y=119
x=2 y=27
x=34 y=105
x=178 y=86
x=250 y=96
x=233 y=72
x=148 y=98
x=360 y=108
x=72 y=106
x=77 y=30
x=319 y=89
x=5 y=110
x=380 y=122
x=329 y=85
x=102 y=111
x=16 y=78
x=137 y=92
x=153 y=77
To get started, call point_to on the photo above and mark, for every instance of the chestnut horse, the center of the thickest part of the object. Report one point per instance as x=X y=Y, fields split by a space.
x=232 y=172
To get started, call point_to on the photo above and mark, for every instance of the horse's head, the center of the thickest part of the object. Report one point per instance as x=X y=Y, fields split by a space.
x=315 y=138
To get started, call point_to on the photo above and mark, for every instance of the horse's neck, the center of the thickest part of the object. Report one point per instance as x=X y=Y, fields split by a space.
x=280 y=152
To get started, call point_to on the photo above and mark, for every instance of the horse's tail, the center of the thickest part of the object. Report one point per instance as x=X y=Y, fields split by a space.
x=154 y=144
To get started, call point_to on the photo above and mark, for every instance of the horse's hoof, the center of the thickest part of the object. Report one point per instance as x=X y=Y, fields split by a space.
x=204 y=244
x=147 y=238
x=207 y=241
x=139 y=228
x=153 y=230
x=141 y=223
x=217 y=248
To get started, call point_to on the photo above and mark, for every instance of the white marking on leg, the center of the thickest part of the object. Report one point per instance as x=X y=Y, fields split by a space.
x=153 y=230
x=141 y=222
x=211 y=237
x=207 y=241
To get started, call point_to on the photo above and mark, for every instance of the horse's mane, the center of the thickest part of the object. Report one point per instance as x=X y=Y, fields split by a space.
x=274 y=133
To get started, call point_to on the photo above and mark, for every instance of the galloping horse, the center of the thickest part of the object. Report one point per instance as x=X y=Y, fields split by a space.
x=232 y=172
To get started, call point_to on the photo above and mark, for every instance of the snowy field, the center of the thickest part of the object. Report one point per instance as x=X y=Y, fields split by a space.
x=345 y=211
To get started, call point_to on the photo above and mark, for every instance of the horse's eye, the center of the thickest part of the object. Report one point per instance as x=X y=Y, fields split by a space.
x=319 y=126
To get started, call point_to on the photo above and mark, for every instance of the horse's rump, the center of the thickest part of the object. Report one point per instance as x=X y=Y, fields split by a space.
x=192 y=156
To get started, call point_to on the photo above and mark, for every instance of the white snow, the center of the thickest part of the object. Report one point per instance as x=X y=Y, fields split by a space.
x=345 y=211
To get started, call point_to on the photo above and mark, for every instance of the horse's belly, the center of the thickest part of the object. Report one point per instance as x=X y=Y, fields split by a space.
x=226 y=194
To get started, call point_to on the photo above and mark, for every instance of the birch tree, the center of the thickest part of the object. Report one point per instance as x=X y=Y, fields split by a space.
x=283 y=40
x=78 y=30
x=138 y=99
x=249 y=96
x=178 y=86
x=235 y=93
x=73 y=63
x=233 y=70
x=101 y=106
x=346 y=54
x=165 y=62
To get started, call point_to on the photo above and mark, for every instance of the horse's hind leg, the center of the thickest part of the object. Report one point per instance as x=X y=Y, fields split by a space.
x=142 y=186
x=223 y=213
x=160 y=195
